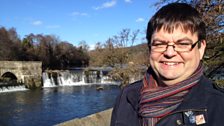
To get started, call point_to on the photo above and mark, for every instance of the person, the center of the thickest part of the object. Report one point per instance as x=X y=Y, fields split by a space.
x=174 y=91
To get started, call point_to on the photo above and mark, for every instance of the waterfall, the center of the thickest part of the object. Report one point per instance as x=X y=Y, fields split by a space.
x=61 y=78
x=54 y=78
x=13 y=88
x=74 y=77
x=9 y=88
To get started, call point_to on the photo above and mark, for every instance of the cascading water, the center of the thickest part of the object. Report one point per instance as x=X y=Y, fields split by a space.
x=62 y=78
x=81 y=76
x=74 y=77
x=11 y=86
x=59 y=103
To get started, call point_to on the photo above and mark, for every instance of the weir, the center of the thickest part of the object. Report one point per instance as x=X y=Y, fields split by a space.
x=81 y=76
x=20 y=75
x=97 y=82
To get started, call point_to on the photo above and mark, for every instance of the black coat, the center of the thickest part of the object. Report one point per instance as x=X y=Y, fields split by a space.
x=204 y=101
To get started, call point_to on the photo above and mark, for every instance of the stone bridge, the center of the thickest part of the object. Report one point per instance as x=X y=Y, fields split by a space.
x=23 y=72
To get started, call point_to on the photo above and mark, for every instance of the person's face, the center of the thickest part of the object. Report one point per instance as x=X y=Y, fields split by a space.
x=170 y=66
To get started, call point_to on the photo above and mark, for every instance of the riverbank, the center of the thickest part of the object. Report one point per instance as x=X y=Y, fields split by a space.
x=97 y=119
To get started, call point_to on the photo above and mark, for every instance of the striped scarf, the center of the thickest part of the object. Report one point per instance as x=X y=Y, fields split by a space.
x=157 y=101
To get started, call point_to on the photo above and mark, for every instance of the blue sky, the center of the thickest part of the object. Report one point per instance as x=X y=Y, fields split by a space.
x=76 y=20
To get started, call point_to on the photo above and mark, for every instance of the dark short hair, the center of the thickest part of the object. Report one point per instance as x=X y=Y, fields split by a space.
x=176 y=15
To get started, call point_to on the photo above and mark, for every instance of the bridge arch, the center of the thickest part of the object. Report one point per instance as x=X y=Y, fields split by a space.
x=9 y=76
x=23 y=72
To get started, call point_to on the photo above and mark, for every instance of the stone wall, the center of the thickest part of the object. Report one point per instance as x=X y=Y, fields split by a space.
x=27 y=72
x=98 y=119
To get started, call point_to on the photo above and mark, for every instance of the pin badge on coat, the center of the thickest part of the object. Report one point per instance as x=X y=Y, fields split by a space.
x=195 y=119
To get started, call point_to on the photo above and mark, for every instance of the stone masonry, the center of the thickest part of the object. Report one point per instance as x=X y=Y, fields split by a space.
x=97 y=119
x=26 y=72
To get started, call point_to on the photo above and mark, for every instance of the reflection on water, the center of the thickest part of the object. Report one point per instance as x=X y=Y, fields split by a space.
x=54 y=105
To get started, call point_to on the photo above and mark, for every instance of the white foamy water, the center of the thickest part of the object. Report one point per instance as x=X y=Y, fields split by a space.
x=13 y=88
x=69 y=78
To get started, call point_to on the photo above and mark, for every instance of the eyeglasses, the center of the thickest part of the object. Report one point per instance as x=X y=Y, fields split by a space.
x=182 y=46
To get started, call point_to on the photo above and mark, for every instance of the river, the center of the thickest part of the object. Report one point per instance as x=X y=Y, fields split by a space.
x=53 y=105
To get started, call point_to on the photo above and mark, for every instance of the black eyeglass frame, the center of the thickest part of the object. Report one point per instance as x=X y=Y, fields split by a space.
x=192 y=47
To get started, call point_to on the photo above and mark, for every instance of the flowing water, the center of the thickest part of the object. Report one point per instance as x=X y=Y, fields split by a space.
x=54 y=105
x=70 y=97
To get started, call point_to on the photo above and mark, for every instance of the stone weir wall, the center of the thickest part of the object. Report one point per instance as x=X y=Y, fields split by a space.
x=98 y=119
x=25 y=72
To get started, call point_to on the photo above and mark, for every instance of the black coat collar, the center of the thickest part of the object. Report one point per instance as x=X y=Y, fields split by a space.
x=197 y=96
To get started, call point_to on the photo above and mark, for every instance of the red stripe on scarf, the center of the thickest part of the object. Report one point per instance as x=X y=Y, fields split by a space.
x=157 y=101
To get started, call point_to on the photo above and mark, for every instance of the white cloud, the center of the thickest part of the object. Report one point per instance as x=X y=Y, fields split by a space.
x=128 y=1
x=79 y=14
x=106 y=5
x=140 y=20
x=36 y=23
